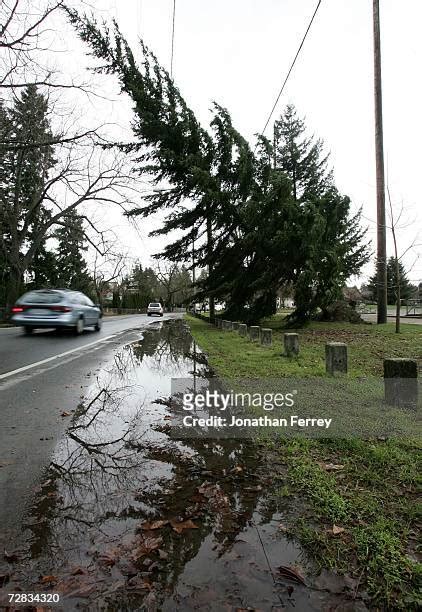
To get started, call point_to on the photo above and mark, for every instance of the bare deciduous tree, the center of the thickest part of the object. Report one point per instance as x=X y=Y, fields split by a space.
x=398 y=279
x=109 y=265
x=83 y=175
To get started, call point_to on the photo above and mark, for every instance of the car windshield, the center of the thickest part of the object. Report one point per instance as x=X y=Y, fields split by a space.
x=42 y=297
x=155 y=305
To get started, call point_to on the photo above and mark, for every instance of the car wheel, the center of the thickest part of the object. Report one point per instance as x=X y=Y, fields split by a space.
x=148 y=314
x=98 y=324
x=79 y=327
x=27 y=330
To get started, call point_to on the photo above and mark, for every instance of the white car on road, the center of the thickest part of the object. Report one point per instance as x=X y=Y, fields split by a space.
x=155 y=308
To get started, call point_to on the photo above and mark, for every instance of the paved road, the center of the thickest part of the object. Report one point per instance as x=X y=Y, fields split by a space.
x=42 y=376
x=18 y=351
x=413 y=320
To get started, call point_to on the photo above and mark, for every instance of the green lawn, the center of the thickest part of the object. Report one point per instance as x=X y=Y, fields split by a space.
x=369 y=489
x=368 y=345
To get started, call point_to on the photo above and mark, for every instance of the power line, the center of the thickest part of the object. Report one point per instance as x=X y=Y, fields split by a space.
x=172 y=40
x=292 y=65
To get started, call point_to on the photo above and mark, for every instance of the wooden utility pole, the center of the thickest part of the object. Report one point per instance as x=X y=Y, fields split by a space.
x=379 y=158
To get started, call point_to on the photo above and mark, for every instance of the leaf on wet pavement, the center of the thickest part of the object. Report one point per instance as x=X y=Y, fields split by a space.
x=66 y=414
x=108 y=559
x=146 y=546
x=151 y=525
x=336 y=529
x=77 y=586
x=77 y=571
x=50 y=579
x=291 y=573
x=137 y=583
x=237 y=469
x=179 y=527
x=282 y=528
x=209 y=490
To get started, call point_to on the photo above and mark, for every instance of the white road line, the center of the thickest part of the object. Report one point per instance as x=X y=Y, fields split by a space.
x=38 y=363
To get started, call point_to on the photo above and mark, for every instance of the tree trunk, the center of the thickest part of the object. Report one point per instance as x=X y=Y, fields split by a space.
x=14 y=289
x=209 y=250
x=398 y=292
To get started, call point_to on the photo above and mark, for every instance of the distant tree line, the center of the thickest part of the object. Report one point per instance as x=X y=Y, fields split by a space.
x=171 y=286
x=407 y=290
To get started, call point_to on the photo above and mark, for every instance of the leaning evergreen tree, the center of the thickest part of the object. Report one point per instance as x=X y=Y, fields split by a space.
x=255 y=227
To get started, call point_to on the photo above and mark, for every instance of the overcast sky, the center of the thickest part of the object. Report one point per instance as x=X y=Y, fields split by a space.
x=237 y=52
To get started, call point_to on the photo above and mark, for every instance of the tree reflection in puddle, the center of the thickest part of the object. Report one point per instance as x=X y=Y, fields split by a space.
x=128 y=517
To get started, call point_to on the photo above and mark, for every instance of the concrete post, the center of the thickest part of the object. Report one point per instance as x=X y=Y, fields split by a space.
x=291 y=344
x=266 y=336
x=219 y=323
x=401 y=382
x=243 y=329
x=336 y=358
x=229 y=325
x=254 y=333
x=236 y=326
x=224 y=324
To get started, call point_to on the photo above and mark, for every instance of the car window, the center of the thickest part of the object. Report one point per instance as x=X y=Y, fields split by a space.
x=155 y=305
x=88 y=301
x=42 y=297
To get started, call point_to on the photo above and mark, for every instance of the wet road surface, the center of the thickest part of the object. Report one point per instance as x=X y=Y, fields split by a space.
x=127 y=518
x=18 y=350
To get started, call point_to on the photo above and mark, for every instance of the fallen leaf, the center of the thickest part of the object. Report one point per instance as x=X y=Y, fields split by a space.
x=179 y=527
x=237 y=469
x=77 y=571
x=146 y=546
x=138 y=583
x=108 y=560
x=66 y=414
x=291 y=573
x=150 y=526
x=162 y=554
x=282 y=528
x=77 y=589
x=48 y=579
x=337 y=529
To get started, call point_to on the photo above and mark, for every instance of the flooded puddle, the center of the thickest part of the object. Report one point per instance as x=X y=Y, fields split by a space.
x=128 y=519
